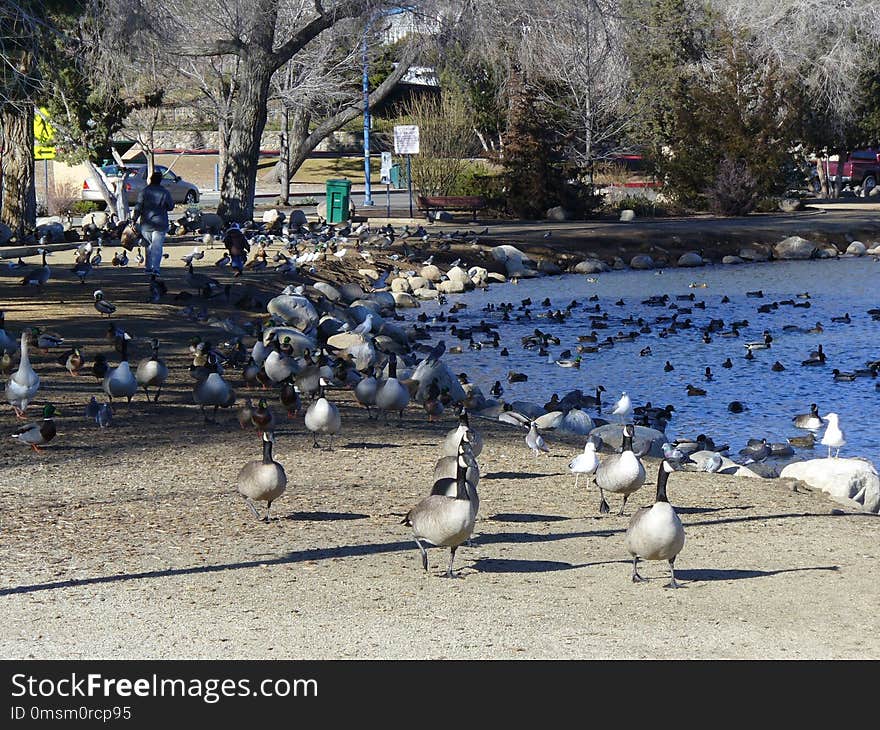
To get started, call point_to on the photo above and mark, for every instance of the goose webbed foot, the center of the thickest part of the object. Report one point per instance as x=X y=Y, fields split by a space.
x=672 y=583
x=636 y=578
x=603 y=507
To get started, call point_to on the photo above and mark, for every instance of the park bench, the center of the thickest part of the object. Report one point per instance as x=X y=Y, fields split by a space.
x=428 y=203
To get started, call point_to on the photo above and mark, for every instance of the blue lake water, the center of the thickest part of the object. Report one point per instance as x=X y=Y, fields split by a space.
x=836 y=287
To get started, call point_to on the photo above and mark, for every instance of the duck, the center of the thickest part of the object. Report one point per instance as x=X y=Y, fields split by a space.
x=433 y=405
x=442 y=520
x=845 y=319
x=152 y=371
x=82 y=267
x=585 y=463
x=736 y=406
x=842 y=377
x=621 y=473
x=263 y=480
x=262 y=417
x=808 y=421
x=290 y=398
x=693 y=390
x=756 y=450
x=24 y=382
x=38 y=434
x=391 y=394
x=213 y=390
x=762 y=344
x=72 y=361
x=100 y=367
x=514 y=377
x=777 y=367
x=727 y=363
x=102 y=305
x=576 y=363
x=119 y=382
x=833 y=437
x=817 y=357
x=656 y=532
x=39 y=275
x=803 y=442
x=322 y=416
x=245 y=414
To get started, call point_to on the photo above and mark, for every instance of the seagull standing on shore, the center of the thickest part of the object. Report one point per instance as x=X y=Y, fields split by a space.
x=623 y=408
x=833 y=437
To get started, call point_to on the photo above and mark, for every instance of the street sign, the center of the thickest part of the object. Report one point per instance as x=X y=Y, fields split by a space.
x=386 y=168
x=44 y=135
x=406 y=139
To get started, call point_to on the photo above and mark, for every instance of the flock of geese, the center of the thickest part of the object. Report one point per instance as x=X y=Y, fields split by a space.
x=319 y=337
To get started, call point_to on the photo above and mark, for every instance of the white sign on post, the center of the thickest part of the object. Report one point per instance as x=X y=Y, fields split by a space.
x=406 y=139
x=386 y=168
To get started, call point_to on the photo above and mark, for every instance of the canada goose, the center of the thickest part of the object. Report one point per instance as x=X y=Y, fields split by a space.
x=833 y=437
x=24 y=382
x=322 y=416
x=365 y=392
x=119 y=381
x=83 y=267
x=36 y=434
x=102 y=305
x=585 y=463
x=392 y=395
x=845 y=319
x=262 y=479
x=808 y=421
x=445 y=521
x=817 y=357
x=450 y=444
x=39 y=275
x=621 y=473
x=152 y=371
x=656 y=532
x=213 y=391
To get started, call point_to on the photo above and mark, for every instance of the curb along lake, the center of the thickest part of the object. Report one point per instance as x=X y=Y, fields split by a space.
x=836 y=288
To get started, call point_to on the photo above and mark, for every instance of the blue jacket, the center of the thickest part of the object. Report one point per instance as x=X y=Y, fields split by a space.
x=152 y=207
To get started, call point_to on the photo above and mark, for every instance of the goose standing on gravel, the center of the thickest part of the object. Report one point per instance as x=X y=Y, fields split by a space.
x=392 y=395
x=213 y=391
x=585 y=463
x=39 y=275
x=365 y=392
x=152 y=371
x=656 y=532
x=808 y=421
x=833 y=437
x=24 y=382
x=621 y=473
x=263 y=479
x=120 y=381
x=322 y=416
x=445 y=521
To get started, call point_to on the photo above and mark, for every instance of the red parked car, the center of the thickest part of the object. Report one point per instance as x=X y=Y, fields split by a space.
x=862 y=169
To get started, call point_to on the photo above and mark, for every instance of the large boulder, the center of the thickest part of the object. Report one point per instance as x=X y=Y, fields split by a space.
x=790 y=205
x=425 y=293
x=515 y=261
x=431 y=273
x=294 y=310
x=755 y=252
x=591 y=266
x=549 y=267
x=405 y=300
x=853 y=482
x=456 y=273
x=495 y=276
x=400 y=284
x=646 y=442
x=328 y=290
x=641 y=261
x=856 y=248
x=793 y=248
x=53 y=231
x=731 y=260
x=451 y=287
x=420 y=282
x=627 y=215
x=691 y=258
x=558 y=214
x=272 y=217
x=297 y=218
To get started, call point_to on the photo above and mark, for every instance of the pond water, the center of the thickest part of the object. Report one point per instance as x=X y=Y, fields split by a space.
x=836 y=288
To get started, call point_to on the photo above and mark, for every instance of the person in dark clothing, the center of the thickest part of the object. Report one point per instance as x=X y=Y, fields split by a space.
x=152 y=208
x=238 y=247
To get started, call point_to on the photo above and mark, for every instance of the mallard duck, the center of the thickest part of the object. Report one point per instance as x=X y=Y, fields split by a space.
x=102 y=305
x=99 y=367
x=290 y=398
x=24 y=383
x=120 y=382
x=262 y=479
x=245 y=414
x=152 y=371
x=262 y=417
x=72 y=361
x=45 y=340
x=36 y=434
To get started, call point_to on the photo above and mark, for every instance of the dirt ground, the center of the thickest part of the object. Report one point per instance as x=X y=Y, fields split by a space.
x=131 y=542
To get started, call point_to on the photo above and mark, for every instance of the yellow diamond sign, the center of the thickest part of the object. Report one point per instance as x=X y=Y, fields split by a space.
x=44 y=135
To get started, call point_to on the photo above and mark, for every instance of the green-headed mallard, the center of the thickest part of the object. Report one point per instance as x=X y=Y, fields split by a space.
x=42 y=432
x=262 y=417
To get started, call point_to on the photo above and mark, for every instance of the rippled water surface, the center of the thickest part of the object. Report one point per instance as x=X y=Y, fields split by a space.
x=772 y=398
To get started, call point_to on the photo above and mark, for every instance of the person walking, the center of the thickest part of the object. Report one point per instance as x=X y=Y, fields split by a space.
x=152 y=208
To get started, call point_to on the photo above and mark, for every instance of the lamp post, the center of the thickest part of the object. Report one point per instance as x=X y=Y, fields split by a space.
x=368 y=194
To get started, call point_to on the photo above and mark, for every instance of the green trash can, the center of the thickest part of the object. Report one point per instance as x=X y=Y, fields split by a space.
x=398 y=176
x=338 y=200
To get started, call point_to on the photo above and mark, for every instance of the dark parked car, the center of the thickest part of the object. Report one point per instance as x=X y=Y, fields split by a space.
x=134 y=178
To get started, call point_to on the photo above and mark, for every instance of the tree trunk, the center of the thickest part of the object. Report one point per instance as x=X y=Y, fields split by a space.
x=822 y=174
x=19 y=210
x=248 y=121
x=284 y=157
